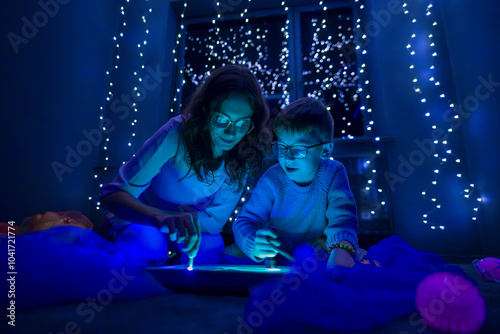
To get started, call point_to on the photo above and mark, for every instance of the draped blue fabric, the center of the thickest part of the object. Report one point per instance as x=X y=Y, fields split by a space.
x=68 y=263
x=360 y=298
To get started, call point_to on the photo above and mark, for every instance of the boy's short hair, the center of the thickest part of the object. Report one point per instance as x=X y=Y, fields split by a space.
x=305 y=115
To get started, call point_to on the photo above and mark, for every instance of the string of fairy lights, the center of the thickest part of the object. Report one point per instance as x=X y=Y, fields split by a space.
x=325 y=77
x=427 y=85
x=363 y=90
x=137 y=74
x=175 y=52
x=136 y=95
x=346 y=77
x=284 y=56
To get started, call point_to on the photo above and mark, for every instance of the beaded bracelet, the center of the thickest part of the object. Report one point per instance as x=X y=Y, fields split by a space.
x=339 y=245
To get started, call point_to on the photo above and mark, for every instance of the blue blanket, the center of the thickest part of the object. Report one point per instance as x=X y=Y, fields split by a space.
x=67 y=263
x=360 y=298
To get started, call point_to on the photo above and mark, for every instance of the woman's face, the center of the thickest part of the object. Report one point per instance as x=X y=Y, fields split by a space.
x=238 y=113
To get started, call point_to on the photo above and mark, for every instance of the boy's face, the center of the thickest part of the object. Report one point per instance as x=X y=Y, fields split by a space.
x=301 y=171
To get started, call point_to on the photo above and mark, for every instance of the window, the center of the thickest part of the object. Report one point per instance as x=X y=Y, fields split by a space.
x=329 y=68
x=310 y=56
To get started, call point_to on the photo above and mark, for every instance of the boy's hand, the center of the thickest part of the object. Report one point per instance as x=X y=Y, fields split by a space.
x=340 y=257
x=266 y=243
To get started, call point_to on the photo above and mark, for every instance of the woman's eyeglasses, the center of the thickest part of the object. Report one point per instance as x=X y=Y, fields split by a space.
x=297 y=151
x=223 y=122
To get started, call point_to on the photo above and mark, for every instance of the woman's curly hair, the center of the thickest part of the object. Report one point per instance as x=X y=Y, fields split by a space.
x=246 y=157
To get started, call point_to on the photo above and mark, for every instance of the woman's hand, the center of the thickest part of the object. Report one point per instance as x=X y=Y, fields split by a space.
x=181 y=228
x=340 y=257
x=266 y=243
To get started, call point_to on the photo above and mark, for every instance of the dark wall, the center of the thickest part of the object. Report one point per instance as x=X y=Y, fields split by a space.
x=53 y=85
x=473 y=36
x=54 y=82
x=466 y=51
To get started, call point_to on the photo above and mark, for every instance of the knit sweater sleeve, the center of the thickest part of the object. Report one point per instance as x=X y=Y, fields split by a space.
x=341 y=211
x=254 y=215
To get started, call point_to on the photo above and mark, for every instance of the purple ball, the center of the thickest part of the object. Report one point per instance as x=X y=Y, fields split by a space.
x=488 y=268
x=450 y=303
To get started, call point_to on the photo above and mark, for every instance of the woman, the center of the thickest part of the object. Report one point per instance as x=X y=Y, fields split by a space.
x=188 y=177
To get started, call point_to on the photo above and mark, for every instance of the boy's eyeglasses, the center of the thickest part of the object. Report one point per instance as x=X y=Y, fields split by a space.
x=297 y=151
x=223 y=122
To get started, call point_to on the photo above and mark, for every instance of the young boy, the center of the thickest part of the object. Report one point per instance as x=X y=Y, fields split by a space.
x=304 y=198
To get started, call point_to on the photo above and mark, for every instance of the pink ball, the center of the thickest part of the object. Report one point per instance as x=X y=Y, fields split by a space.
x=450 y=303
x=488 y=268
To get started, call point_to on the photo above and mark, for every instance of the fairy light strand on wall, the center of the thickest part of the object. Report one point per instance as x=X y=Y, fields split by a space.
x=138 y=74
x=111 y=99
x=284 y=57
x=176 y=51
x=343 y=85
x=102 y=108
x=372 y=187
x=363 y=79
x=431 y=92
x=325 y=78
